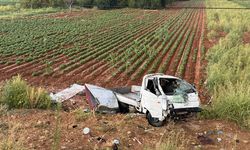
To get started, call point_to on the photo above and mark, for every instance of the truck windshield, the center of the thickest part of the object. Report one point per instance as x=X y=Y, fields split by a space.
x=175 y=86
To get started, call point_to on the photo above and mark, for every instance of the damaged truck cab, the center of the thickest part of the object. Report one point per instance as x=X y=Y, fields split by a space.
x=159 y=97
x=162 y=96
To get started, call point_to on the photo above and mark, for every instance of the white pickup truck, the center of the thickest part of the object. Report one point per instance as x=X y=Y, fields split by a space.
x=160 y=96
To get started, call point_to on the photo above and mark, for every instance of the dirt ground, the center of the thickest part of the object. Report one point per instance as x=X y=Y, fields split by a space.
x=63 y=129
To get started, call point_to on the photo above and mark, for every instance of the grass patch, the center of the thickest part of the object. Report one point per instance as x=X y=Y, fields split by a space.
x=16 y=93
x=231 y=102
x=11 y=12
x=57 y=132
x=175 y=140
x=3 y=110
x=228 y=71
x=171 y=140
x=80 y=115
x=12 y=141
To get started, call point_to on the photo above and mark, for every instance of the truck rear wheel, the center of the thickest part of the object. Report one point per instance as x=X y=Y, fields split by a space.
x=154 y=121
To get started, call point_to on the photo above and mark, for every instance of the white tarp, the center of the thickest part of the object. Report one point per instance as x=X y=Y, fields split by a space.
x=67 y=93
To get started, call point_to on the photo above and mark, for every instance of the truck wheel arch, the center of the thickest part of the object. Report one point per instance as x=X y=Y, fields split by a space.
x=152 y=121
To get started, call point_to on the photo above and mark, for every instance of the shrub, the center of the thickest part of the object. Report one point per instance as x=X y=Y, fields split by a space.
x=17 y=93
x=14 y=93
x=103 y=4
x=122 y=3
x=86 y=3
x=149 y=4
x=42 y=3
x=38 y=98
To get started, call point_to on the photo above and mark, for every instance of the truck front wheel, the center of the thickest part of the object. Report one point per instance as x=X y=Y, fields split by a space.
x=154 y=121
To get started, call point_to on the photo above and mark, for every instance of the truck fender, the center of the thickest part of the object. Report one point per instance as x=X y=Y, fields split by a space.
x=161 y=118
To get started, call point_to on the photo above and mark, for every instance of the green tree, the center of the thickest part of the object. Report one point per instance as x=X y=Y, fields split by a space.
x=86 y=3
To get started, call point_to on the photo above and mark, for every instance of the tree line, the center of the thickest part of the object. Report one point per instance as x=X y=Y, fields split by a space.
x=101 y=4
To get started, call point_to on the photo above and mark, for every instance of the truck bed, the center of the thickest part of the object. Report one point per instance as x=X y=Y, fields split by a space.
x=128 y=95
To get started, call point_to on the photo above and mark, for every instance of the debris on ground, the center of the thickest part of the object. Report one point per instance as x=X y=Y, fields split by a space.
x=115 y=145
x=67 y=93
x=101 y=140
x=101 y=99
x=205 y=140
x=116 y=141
x=86 y=131
x=219 y=139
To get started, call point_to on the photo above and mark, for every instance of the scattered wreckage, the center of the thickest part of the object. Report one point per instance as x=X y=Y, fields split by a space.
x=159 y=97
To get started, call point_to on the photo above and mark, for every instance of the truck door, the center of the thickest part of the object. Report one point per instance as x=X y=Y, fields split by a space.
x=150 y=99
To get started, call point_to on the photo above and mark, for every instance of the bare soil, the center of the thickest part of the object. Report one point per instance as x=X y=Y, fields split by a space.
x=36 y=129
x=246 y=38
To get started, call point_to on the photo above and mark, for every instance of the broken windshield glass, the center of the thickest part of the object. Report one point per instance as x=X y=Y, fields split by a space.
x=175 y=86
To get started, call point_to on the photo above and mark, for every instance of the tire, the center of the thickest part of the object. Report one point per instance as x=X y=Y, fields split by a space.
x=154 y=121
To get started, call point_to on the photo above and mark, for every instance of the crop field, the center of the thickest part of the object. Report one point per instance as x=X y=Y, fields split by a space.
x=206 y=42
x=109 y=48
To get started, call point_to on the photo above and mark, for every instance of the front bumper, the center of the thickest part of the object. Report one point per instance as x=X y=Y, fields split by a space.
x=189 y=110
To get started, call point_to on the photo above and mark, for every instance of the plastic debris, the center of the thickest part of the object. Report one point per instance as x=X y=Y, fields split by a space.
x=86 y=130
x=219 y=139
x=219 y=132
x=210 y=132
x=116 y=142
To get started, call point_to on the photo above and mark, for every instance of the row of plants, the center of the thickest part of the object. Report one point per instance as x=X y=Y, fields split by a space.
x=178 y=32
x=38 y=51
x=75 y=58
x=21 y=30
x=163 y=68
x=100 y=52
x=166 y=48
x=121 y=52
x=137 y=50
x=149 y=51
x=183 y=64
